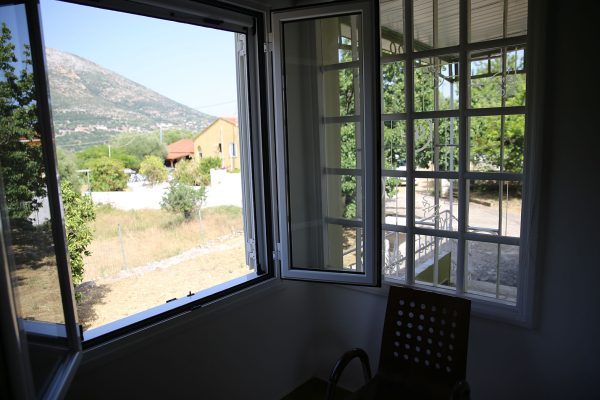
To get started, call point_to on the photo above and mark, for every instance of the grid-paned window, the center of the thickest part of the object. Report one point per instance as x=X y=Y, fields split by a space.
x=453 y=87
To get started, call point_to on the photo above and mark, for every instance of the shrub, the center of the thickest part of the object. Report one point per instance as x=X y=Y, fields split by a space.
x=107 y=175
x=153 y=169
x=79 y=213
x=183 y=199
x=187 y=172
x=206 y=164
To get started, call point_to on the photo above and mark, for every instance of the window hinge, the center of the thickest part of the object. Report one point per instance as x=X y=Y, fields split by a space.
x=277 y=253
x=241 y=46
x=268 y=46
x=251 y=249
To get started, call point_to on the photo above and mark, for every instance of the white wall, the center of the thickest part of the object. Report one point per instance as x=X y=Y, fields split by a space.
x=256 y=347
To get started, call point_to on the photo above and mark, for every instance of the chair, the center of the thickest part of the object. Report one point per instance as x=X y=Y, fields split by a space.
x=423 y=349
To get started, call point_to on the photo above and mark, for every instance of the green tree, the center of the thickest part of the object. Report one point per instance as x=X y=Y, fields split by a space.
x=488 y=89
x=107 y=175
x=183 y=199
x=67 y=168
x=86 y=157
x=140 y=146
x=154 y=169
x=79 y=213
x=21 y=158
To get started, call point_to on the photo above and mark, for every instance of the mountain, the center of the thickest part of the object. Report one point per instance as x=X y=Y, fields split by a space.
x=91 y=104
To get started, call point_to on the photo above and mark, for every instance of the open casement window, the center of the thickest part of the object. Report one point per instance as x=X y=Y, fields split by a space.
x=40 y=335
x=324 y=68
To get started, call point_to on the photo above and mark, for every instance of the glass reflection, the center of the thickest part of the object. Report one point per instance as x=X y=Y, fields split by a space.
x=24 y=178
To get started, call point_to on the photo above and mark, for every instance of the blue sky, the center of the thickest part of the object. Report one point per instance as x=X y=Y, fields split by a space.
x=192 y=65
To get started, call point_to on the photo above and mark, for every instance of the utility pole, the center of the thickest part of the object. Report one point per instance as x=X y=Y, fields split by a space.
x=108 y=150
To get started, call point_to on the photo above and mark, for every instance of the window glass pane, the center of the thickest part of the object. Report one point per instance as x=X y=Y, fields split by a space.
x=392 y=26
x=341 y=89
x=394 y=200
x=435 y=23
x=324 y=157
x=394 y=255
x=394 y=145
x=491 y=85
x=159 y=158
x=436 y=144
x=436 y=83
x=495 y=207
x=496 y=19
x=436 y=203
x=23 y=180
x=393 y=87
x=493 y=270
x=486 y=79
x=351 y=249
x=435 y=260
x=346 y=47
x=496 y=143
x=340 y=196
x=515 y=77
x=342 y=146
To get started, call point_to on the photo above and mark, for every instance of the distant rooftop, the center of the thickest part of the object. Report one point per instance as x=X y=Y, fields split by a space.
x=180 y=149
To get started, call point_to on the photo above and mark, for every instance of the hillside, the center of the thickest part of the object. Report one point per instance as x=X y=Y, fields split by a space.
x=91 y=104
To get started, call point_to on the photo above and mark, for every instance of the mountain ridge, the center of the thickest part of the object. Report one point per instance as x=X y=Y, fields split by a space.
x=91 y=104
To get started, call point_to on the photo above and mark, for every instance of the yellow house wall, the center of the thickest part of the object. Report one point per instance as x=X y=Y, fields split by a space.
x=209 y=141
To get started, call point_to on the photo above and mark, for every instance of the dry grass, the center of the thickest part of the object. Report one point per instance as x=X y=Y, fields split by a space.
x=112 y=300
x=151 y=235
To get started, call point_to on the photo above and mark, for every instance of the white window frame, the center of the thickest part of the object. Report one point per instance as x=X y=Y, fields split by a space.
x=369 y=173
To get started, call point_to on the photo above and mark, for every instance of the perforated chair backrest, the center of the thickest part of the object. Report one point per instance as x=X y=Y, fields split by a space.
x=425 y=334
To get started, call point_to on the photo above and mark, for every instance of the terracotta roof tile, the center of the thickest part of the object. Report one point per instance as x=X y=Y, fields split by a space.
x=180 y=148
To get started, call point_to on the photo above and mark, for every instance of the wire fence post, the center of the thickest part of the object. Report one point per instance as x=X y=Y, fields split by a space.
x=122 y=247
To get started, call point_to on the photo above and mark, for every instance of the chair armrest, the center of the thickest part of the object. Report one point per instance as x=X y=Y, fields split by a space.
x=461 y=391
x=341 y=364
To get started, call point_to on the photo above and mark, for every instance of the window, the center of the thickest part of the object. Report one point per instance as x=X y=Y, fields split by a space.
x=192 y=233
x=327 y=153
x=454 y=112
x=452 y=159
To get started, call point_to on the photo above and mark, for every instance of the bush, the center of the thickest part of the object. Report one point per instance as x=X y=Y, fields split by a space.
x=183 y=199
x=107 y=175
x=153 y=169
x=206 y=164
x=187 y=172
x=79 y=213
